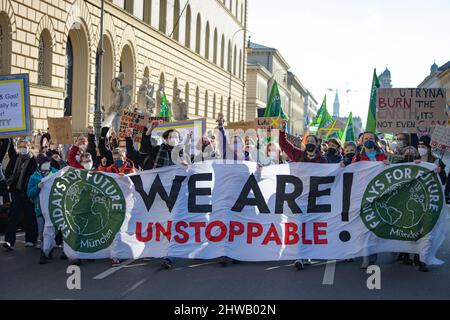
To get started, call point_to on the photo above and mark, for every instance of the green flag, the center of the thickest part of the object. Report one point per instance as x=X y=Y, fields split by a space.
x=164 y=108
x=274 y=108
x=349 y=131
x=372 y=116
x=322 y=119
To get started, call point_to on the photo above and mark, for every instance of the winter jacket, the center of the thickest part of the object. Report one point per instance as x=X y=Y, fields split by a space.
x=33 y=189
x=297 y=154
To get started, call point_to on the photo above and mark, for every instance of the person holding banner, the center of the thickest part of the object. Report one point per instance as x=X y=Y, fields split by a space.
x=24 y=165
x=426 y=155
x=370 y=152
x=35 y=185
x=349 y=152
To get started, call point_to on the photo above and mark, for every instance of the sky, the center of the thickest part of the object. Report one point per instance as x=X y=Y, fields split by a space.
x=336 y=44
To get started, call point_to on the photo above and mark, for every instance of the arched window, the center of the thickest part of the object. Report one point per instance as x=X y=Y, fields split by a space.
x=197 y=101
x=176 y=17
x=206 y=103
x=186 y=96
x=222 y=52
x=5 y=44
x=163 y=16
x=230 y=50
x=214 y=106
x=198 y=34
x=215 y=47
x=69 y=80
x=240 y=64
x=187 y=37
x=234 y=60
x=45 y=59
x=207 y=36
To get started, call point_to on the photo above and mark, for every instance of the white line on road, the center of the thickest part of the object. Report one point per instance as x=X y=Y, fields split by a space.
x=134 y=287
x=328 y=276
x=273 y=268
x=110 y=271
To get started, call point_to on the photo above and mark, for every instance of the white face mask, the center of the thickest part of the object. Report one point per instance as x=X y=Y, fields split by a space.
x=423 y=151
x=172 y=142
x=24 y=151
x=45 y=166
x=394 y=146
x=83 y=147
x=77 y=157
x=87 y=165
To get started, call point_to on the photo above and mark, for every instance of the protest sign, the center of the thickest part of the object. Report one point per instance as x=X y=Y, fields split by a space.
x=268 y=123
x=196 y=128
x=441 y=138
x=61 y=130
x=248 y=213
x=242 y=125
x=15 y=118
x=413 y=110
x=135 y=120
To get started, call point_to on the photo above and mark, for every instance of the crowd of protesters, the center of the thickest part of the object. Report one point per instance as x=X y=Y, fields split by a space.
x=20 y=178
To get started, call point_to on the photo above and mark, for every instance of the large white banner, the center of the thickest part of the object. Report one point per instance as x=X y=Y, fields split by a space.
x=284 y=212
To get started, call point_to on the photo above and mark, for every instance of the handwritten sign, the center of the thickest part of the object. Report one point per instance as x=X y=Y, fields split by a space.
x=15 y=119
x=243 y=125
x=441 y=138
x=135 y=120
x=268 y=123
x=413 y=110
x=61 y=130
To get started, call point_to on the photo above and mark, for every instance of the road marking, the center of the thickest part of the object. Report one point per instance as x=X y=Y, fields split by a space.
x=273 y=268
x=112 y=270
x=328 y=276
x=134 y=287
x=201 y=264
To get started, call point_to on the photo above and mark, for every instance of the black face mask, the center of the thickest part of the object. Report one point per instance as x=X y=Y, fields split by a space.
x=310 y=147
x=350 y=155
x=331 y=151
x=369 y=144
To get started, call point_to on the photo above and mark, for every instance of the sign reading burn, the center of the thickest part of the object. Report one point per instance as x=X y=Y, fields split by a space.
x=88 y=207
x=402 y=203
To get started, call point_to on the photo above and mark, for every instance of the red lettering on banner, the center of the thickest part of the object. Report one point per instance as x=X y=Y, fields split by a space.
x=197 y=226
x=139 y=232
x=184 y=234
x=166 y=232
x=235 y=232
x=221 y=236
x=304 y=240
x=251 y=233
x=291 y=234
x=318 y=232
x=272 y=235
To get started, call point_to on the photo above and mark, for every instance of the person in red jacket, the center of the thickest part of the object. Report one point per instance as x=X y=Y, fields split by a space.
x=76 y=151
x=370 y=152
x=310 y=154
x=122 y=165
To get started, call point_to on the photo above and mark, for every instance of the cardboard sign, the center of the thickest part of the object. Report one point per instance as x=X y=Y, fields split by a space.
x=135 y=120
x=441 y=138
x=413 y=110
x=243 y=125
x=60 y=130
x=268 y=123
x=15 y=118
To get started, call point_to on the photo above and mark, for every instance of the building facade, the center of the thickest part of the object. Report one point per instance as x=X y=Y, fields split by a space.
x=439 y=77
x=177 y=44
x=266 y=65
x=385 y=79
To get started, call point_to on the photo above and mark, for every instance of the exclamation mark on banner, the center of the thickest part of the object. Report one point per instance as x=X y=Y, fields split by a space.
x=346 y=196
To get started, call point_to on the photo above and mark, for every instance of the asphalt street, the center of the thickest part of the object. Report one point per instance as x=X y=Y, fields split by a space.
x=21 y=277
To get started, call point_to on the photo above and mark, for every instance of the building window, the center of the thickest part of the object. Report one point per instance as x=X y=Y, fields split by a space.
x=163 y=16
x=231 y=6
x=230 y=50
x=222 y=52
x=240 y=64
x=5 y=44
x=1 y=48
x=186 y=96
x=69 y=80
x=128 y=6
x=242 y=13
x=214 y=106
x=187 y=38
x=138 y=9
x=198 y=34
x=176 y=18
x=44 y=59
x=237 y=9
x=207 y=36
x=215 y=47
x=234 y=60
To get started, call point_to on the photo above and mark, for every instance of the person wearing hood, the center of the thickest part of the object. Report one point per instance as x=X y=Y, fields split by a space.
x=35 y=185
x=23 y=166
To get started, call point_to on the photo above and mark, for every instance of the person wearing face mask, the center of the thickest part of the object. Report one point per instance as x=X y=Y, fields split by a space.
x=349 y=153
x=333 y=153
x=121 y=165
x=370 y=152
x=426 y=155
x=310 y=154
x=35 y=185
x=23 y=166
x=403 y=141
x=86 y=162
x=76 y=151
